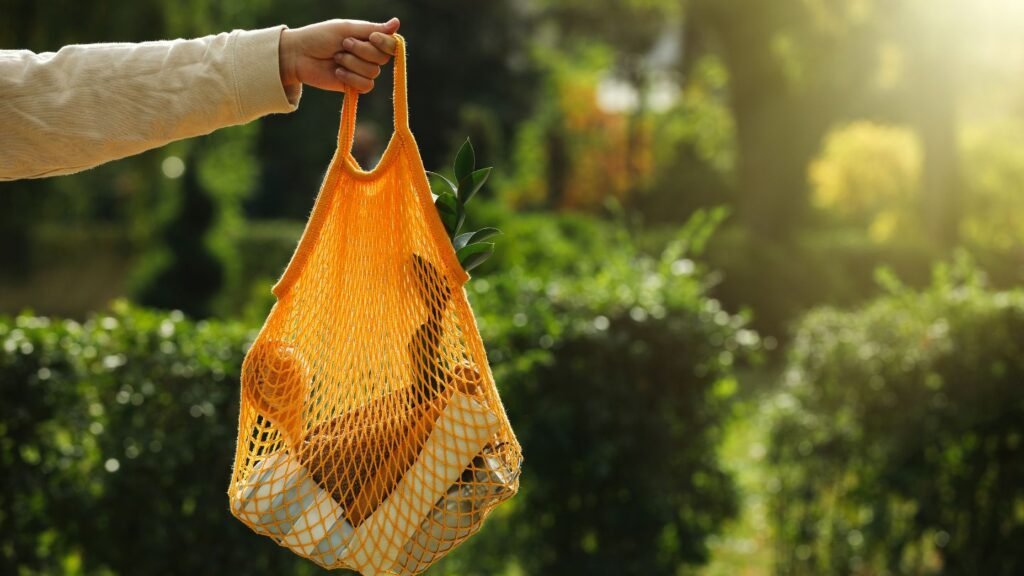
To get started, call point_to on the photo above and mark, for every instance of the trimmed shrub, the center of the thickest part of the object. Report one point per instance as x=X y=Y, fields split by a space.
x=898 y=438
x=117 y=441
x=616 y=370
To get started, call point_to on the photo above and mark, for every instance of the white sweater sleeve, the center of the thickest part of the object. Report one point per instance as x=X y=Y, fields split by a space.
x=88 y=104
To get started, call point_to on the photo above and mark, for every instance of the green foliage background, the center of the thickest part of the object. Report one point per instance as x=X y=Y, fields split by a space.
x=684 y=312
x=113 y=442
x=897 y=433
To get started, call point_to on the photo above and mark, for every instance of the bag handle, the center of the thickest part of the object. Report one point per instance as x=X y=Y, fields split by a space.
x=400 y=112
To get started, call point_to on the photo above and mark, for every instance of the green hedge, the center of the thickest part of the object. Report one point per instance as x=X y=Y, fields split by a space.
x=898 y=439
x=616 y=369
x=118 y=435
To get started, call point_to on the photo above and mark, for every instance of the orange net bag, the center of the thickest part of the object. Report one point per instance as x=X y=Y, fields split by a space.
x=371 y=435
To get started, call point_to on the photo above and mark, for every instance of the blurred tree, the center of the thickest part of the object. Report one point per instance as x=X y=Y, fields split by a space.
x=573 y=154
x=796 y=67
x=18 y=210
x=183 y=272
x=778 y=99
x=631 y=29
x=929 y=29
x=993 y=166
x=468 y=68
x=694 y=148
x=870 y=174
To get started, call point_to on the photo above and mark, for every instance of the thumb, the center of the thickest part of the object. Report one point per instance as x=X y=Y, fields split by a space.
x=362 y=30
x=389 y=27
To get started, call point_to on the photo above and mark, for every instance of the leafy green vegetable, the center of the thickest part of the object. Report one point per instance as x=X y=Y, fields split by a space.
x=477 y=236
x=450 y=200
x=473 y=255
x=451 y=185
x=465 y=161
x=448 y=208
x=470 y=185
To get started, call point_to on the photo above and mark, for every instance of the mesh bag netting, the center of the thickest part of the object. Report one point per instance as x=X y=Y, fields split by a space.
x=371 y=435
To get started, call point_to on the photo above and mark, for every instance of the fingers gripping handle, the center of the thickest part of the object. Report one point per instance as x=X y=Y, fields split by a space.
x=399 y=100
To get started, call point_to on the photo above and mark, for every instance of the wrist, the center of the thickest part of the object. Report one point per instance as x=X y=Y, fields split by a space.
x=286 y=59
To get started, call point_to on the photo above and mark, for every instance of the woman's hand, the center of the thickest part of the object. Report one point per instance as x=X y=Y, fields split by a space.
x=336 y=54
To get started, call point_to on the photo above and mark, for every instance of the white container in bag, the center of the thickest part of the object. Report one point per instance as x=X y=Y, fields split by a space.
x=280 y=498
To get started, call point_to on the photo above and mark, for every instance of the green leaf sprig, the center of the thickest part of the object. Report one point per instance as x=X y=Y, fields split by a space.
x=450 y=199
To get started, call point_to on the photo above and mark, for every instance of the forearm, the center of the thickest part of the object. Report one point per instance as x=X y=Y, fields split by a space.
x=88 y=104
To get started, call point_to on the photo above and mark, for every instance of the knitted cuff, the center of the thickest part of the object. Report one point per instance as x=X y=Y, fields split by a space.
x=258 y=88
